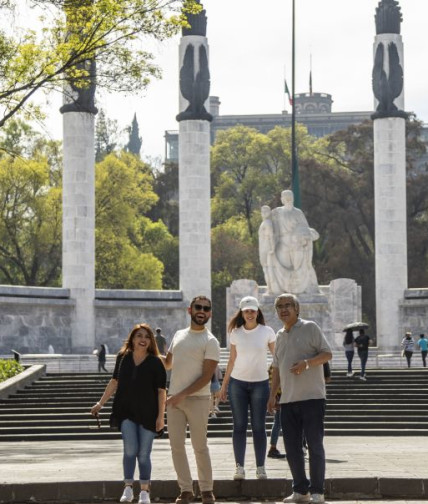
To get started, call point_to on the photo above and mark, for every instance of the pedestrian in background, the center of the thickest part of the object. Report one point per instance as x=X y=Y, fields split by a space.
x=423 y=345
x=161 y=341
x=276 y=426
x=408 y=345
x=102 y=359
x=215 y=392
x=362 y=342
x=349 y=345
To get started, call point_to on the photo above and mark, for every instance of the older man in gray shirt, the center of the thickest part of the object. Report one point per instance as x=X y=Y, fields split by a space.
x=301 y=349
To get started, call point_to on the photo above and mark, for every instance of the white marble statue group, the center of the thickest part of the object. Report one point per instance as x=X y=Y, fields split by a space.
x=286 y=247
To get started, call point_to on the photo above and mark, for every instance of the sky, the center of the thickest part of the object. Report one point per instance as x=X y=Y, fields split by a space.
x=250 y=52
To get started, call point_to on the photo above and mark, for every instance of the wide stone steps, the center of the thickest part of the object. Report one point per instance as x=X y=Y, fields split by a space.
x=391 y=402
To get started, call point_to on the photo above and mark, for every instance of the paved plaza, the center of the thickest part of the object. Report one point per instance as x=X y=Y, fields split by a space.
x=399 y=465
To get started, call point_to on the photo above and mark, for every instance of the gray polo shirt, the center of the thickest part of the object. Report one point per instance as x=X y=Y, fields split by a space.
x=304 y=341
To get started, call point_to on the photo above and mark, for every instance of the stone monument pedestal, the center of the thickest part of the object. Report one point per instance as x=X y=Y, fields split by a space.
x=335 y=306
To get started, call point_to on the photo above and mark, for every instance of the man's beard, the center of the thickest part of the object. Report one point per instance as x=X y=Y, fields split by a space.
x=198 y=322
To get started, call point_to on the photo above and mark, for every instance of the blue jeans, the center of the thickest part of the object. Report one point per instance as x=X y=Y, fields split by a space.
x=253 y=395
x=363 y=355
x=276 y=427
x=305 y=417
x=349 y=355
x=137 y=445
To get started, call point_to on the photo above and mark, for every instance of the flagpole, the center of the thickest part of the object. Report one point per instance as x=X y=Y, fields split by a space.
x=295 y=183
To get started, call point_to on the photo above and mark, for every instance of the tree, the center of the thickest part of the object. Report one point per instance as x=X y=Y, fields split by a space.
x=242 y=178
x=124 y=191
x=106 y=136
x=135 y=141
x=166 y=187
x=30 y=223
x=76 y=33
x=234 y=254
x=337 y=198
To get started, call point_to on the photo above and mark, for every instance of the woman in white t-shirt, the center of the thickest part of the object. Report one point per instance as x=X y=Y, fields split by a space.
x=247 y=381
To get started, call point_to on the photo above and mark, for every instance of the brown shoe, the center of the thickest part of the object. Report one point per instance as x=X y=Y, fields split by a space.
x=184 y=498
x=208 y=497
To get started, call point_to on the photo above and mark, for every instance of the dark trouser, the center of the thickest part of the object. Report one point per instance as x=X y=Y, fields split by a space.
x=102 y=366
x=276 y=428
x=408 y=357
x=349 y=355
x=363 y=355
x=424 y=357
x=308 y=417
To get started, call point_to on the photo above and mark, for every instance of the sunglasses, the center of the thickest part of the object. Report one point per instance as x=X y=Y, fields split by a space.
x=199 y=307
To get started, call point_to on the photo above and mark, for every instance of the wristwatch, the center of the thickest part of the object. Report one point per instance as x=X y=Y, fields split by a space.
x=306 y=364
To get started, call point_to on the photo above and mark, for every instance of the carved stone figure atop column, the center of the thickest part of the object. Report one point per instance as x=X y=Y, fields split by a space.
x=194 y=71
x=388 y=17
x=78 y=98
x=387 y=75
x=288 y=267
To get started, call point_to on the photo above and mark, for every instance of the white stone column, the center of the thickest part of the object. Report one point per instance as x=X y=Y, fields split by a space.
x=194 y=187
x=78 y=247
x=390 y=227
x=390 y=194
x=195 y=209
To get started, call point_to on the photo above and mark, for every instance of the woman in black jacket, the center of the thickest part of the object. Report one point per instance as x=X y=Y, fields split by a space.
x=138 y=382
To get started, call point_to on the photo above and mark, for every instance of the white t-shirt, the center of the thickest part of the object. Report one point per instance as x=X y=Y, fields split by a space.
x=189 y=349
x=251 y=352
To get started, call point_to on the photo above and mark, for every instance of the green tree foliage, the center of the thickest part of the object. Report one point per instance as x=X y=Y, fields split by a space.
x=135 y=141
x=156 y=238
x=336 y=175
x=234 y=255
x=106 y=136
x=30 y=211
x=166 y=187
x=131 y=250
x=123 y=193
x=74 y=33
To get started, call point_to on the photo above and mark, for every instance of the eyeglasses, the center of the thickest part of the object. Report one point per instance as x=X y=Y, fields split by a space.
x=199 y=307
x=285 y=306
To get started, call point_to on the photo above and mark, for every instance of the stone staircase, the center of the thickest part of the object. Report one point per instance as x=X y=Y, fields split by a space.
x=56 y=407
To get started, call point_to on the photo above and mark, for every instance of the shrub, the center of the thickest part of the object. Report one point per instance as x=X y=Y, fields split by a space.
x=9 y=368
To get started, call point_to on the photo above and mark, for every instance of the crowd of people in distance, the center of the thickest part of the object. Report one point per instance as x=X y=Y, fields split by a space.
x=363 y=341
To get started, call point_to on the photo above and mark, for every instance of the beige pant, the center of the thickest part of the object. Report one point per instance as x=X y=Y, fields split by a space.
x=192 y=411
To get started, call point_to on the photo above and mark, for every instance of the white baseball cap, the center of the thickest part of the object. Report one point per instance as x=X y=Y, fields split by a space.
x=249 y=303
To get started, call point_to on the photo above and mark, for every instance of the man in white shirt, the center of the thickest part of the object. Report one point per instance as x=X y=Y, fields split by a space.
x=193 y=356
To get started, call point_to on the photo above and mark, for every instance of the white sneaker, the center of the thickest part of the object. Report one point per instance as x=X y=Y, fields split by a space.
x=349 y=374
x=317 y=498
x=261 y=472
x=128 y=494
x=363 y=378
x=239 y=473
x=298 y=497
x=144 y=497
